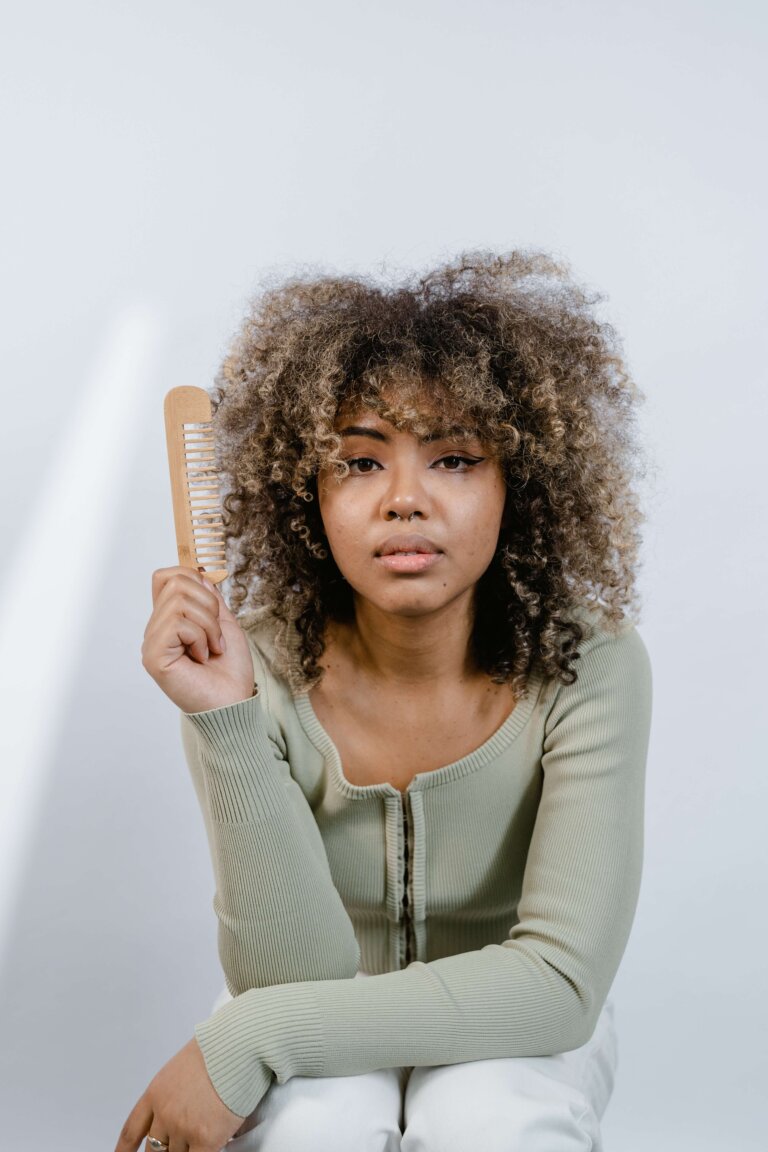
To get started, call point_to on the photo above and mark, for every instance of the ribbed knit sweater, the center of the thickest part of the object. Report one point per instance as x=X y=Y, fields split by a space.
x=491 y=901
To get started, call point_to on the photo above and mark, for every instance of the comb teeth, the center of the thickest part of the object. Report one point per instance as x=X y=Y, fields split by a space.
x=203 y=494
x=195 y=482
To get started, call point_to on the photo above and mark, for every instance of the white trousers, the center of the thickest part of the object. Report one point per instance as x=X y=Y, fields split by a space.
x=521 y=1104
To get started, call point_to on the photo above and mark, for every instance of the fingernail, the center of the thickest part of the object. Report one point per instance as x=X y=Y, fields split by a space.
x=223 y=643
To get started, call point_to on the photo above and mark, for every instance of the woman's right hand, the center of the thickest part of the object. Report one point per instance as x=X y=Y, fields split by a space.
x=194 y=647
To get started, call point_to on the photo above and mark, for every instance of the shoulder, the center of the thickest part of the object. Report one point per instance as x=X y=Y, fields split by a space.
x=613 y=663
x=612 y=640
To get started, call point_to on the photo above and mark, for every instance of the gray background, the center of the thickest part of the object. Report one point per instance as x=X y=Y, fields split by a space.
x=159 y=160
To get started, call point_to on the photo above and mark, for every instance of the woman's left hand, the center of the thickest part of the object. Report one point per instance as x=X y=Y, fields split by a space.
x=182 y=1108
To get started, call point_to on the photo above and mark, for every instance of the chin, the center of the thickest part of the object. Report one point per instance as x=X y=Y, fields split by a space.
x=413 y=610
x=412 y=606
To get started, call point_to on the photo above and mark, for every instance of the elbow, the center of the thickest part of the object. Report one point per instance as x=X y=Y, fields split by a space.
x=587 y=1018
x=586 y=1025
x=581 y=1006
x=574 y=1028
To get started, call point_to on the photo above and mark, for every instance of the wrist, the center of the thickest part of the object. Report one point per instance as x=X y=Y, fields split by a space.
x=217 y=707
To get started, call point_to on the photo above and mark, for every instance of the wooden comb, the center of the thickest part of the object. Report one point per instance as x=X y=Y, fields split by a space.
x=195 y=482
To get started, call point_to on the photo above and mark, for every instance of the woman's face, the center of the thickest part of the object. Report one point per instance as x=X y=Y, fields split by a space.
x=416 y=522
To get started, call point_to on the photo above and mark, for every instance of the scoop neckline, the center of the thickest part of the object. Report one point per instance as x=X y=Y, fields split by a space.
x=489 y=750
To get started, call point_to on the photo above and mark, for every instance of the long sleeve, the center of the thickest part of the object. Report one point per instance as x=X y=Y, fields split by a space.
x=538 y=992
x=280 y=917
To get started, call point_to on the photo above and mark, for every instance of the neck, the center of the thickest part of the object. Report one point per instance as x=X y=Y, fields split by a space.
x=412 y=650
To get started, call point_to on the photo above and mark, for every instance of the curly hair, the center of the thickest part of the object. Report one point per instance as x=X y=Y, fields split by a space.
x=514 y=345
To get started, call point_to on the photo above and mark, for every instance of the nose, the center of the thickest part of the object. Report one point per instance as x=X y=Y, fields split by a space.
x=406 y=497
x=392 y=514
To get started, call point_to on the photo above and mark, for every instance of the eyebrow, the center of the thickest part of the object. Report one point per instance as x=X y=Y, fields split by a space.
x=359 y=430
x=444 y=434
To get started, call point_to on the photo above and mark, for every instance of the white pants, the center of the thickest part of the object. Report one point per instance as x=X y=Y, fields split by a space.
x=524 y=1104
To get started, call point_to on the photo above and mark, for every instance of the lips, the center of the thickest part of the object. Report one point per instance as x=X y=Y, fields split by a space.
x=399 y=544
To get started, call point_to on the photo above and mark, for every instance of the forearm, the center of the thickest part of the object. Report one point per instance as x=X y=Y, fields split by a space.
x=281 y=919
x=494 y=1003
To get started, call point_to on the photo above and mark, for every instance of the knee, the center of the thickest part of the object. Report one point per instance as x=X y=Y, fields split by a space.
x=446 y=1113
x=564 y=1126
x=332 y=1114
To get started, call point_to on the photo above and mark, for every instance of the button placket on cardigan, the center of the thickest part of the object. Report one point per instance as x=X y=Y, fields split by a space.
x=418 y=873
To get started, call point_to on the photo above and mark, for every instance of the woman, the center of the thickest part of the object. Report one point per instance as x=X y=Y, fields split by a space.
x=420 y=752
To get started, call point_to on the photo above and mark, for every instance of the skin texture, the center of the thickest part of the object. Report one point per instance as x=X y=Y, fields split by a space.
x=407 y=650
x=448 y=490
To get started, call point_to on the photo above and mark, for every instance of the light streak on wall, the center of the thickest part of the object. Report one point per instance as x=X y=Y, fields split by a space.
x=53 y=574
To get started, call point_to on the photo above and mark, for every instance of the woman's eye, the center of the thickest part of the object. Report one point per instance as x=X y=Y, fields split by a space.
x=362 y=464
x=459 y=463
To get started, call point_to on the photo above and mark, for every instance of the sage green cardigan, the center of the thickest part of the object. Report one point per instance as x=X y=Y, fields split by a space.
x=492 y=901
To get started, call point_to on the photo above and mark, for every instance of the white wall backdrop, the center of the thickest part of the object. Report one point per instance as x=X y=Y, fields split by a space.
x=159 y=159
